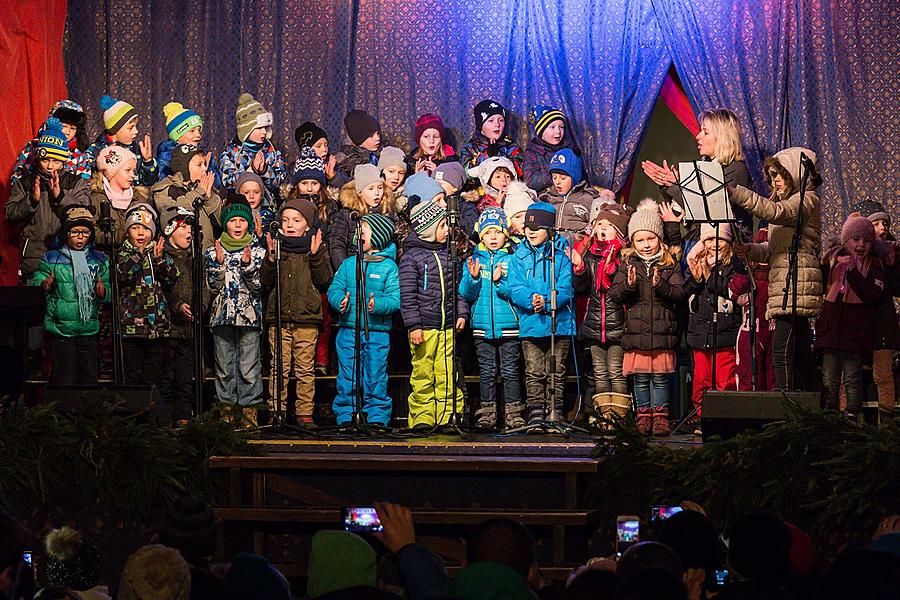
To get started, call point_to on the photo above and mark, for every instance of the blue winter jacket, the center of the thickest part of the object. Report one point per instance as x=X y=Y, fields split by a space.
x=382 y=279
x=492 y=317
x=529 y=274
x=426 y=286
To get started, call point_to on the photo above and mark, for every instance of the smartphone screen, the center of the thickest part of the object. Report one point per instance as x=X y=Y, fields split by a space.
x=627 y=533
x=26 y=557
x=361 y=518
x=661 y=512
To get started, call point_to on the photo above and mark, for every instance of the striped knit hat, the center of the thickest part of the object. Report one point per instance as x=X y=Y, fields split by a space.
x=116 y=113
x=542 y=116
x=382 y=230
x=250 y=115
x=425 y=218
x=308 y=166
x=52 y=141
x=180 y=120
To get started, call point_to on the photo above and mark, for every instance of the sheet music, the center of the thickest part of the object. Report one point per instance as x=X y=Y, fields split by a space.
x=702 y=186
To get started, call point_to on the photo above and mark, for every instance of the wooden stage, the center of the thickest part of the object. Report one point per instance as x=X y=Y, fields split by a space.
x=295 y=487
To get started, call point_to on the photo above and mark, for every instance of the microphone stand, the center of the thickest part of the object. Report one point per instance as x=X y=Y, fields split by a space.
x=277 y=354
x=197 y=303
x=108 y=226
x=359 y=419
x=455 y=421
x=794 y=269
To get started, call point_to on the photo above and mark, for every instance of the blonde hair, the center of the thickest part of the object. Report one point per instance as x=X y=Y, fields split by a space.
x=96 y=182
x=352 y=200
x=666 y=260
x=725 y=127
x=438 y=155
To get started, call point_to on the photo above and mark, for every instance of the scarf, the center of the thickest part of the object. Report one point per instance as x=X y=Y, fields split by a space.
x=840 y=286
x=298 y=244
x=119 y=200
x=84 y=282
x=608 y=251
x=253 y=147
x=233 y=245
x=650 y=260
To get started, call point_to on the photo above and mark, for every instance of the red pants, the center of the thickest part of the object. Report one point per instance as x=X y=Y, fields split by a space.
x=323 y=343
x=726 y=375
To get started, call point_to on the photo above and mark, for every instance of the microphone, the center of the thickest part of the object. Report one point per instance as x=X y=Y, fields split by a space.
x=275 y=227
x=104 y=211
x=453 y=210
x=355 y=216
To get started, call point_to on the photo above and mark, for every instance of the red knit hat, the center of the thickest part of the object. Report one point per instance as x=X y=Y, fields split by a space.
x=857 y=226
x=429 y=121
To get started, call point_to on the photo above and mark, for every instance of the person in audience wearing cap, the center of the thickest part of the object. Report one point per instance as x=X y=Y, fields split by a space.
x=518 y=198
x=75 y=278
x=530 y=287
x=366 y=194
x=73 y=563
x=650 y=285
x=190 y=181
x=233 y=275
x=310 y=135
x=364 y=132
x=38 y=198
x=431 y=148
x=845 y=329
x=426 y=305
x=251 y=149
x=570 y=194
x=176 y=388
x=495 y=326
x=144 y=274
x=71 y=116
x=392 y=164
x=382 y=288
x=551 y=134
x=490 y=139
x=114 y=192
x=120 y=128
x=184 y=127
x=158 y=572
x=495 y=174
x=715 y=318
x=305 y=276
x=604 y=318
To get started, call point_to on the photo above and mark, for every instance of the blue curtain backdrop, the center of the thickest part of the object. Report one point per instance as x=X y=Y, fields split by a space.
x=821 y=74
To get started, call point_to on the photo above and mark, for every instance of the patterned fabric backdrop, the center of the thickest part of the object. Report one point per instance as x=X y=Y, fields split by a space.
x=821 y=74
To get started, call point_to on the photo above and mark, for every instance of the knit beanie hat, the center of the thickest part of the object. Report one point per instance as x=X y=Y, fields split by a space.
x=180 y=120
x=71 y=561
x=430 y=121
x=252 y=577
x=857 y=227
x=69 y=112
x=708 y=232
x=391 y=157
x=451 y=172
x=78 y=215
x=425 y=218
x=423 y=187
x=141 y=214
x=236 y=206
x=250 y=115
x=116 y=113
x=360 y=126
x=364 y=176
x=491 y=218
x=518 y=198
x=112 y=158
x=305 y=206
x=485 y=170
x=486 y=109
x=542 y=116
x=182 y=154
x=540 y=214
x=615 y=213
x=339 y=560
x=171 y=218
x=156 y=572
x=382 y=230
x=309 y=166
x=872 y=210
x=489 y=579
x=646 y=218
x=52 y=142
x=568 y=163
x=308 y=134
x=249 y=176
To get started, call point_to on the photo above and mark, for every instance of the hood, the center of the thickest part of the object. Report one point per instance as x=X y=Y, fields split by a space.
x=789 y=160
x=389 y=252
x=413 y=241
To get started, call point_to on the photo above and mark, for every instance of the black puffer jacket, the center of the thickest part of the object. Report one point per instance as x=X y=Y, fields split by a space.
x=650 y=319
x=702 y=296
x=604 y=319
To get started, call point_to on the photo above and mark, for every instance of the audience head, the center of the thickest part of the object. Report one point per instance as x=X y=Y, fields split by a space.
x=863 y=575
x=653 y=584
x=490 y=579
x=694 y=539
x=206 y=585
x=252 y=577
x=503 y=541
x=189 y=526
x=71 y=561
x=759 y=547
x=156 y=572
x=648 y=555
x=340 y=560
x=593 y=584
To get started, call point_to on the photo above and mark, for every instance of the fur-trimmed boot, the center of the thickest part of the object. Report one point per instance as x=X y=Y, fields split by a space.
x=598 y=402
x=645 y=421
x=619 y=405
x=486 y=416
x=661 y=426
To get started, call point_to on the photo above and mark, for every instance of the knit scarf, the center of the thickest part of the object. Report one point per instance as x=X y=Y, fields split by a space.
x=234 y=244
x=839 y=284
x=297 y=244
x=119 y=200
x=253 y=147
x=84 y=282
x=608 y=251
x=650 y=260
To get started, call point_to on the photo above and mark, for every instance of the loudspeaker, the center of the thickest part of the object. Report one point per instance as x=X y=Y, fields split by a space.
x=130 y=400
x=726 y=414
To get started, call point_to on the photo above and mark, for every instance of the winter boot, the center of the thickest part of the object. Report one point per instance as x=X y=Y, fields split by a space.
x=486 y=416
x=535 y=414
x=644 y=421
x=598 y=401
x=513 y=415
x=661 y=426
x=618 y=406
x=249 y=417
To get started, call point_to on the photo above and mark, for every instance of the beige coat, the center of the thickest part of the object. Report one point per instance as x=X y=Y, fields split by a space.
x=782 y=217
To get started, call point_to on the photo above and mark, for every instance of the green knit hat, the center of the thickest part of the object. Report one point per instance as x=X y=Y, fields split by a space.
x=250 y=115
x=236 y=206
x=382 y=230
x=339 y=560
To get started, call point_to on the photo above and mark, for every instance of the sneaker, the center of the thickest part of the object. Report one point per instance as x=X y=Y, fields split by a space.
x=513 y=417
x=486 y=416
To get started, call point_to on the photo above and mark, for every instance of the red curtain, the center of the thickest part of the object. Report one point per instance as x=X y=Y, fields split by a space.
x=32 y=78
x=673 y=94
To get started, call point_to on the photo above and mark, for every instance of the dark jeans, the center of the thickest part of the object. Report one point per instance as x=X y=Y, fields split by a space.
x=74 y=360
x=142 y=360
x=537 y=372
x=836 y=363
x=509 y=351
x=607 y=362
x=784 y=339
x=652 y=390
x=176 y=387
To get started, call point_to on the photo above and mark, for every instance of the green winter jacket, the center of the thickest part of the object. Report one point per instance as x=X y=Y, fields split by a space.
x=63 y=317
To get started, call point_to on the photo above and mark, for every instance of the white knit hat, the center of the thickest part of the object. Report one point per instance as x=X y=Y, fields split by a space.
x=646 y=218
x=708 y=232
x=518 y=198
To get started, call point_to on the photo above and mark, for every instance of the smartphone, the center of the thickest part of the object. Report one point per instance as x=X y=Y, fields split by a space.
x=26 y=557
x=361 y=519
x=721 y=578
x=661 y=513
x=627 y=532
